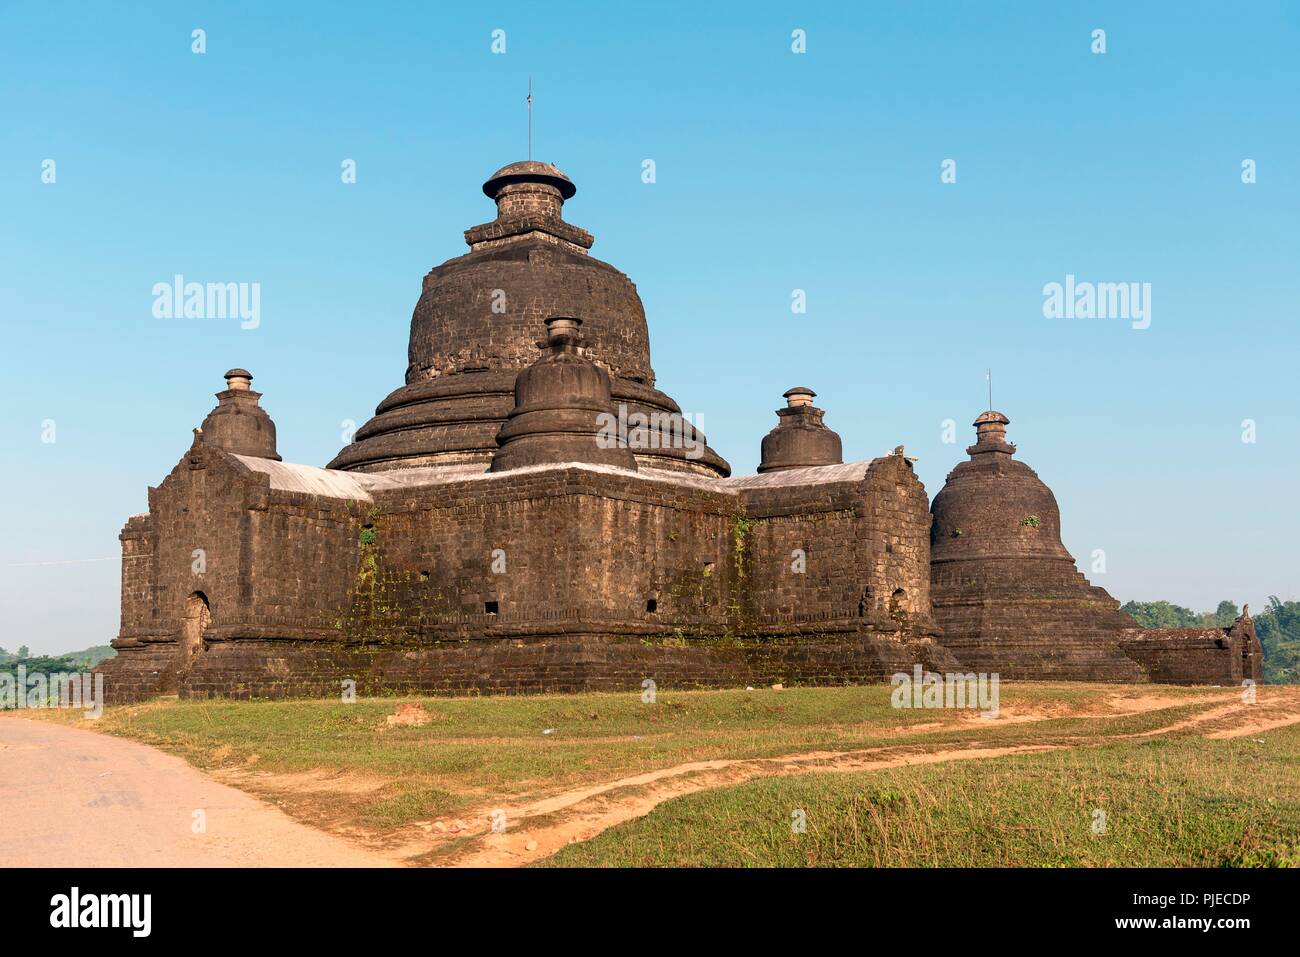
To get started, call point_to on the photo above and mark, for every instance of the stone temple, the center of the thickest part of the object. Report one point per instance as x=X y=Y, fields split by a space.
x=528 y=513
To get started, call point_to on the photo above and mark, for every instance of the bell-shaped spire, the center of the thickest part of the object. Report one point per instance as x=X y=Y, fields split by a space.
x=238 y=424
x=800 y=439
x=563 y=411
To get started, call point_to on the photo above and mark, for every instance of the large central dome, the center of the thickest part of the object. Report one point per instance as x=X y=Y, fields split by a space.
x=478 y=323
x=486 y=309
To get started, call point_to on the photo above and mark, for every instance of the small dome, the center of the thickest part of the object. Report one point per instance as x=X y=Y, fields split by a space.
x=563 y=410
x=239 y=424
x=800 y=439
x=529 y=171
x=239 y=379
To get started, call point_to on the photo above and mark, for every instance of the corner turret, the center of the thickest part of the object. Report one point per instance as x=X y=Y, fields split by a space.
x=800 y=439
x=239 y=424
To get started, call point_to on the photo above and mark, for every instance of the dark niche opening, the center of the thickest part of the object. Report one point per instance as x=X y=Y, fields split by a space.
x=491 y=607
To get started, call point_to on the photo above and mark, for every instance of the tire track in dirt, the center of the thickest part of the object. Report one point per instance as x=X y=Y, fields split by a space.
x=608 y=809
x=1277 y=717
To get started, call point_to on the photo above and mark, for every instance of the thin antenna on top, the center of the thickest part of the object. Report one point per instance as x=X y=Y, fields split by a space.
x=530 y=117
x=989 y=375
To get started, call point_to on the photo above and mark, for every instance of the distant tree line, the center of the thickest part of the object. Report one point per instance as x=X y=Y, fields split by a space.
x=1278 y=627
x=53 y=664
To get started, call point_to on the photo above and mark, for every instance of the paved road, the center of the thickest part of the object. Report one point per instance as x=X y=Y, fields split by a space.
x=76 y=798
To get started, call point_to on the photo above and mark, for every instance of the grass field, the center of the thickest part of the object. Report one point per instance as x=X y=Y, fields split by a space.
x=703 y=778
x=1166 y=803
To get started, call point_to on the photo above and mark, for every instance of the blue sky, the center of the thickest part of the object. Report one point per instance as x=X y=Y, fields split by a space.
x=775 y=172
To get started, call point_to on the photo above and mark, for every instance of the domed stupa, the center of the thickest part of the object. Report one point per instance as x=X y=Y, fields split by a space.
x=476 y=326
x=562 y=409
x=800 y=439
x=239 y=424
x=1005 y=590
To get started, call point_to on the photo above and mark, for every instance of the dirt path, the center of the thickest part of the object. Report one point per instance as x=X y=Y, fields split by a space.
x=593 y=810
x=541 y=828
x=75 y=798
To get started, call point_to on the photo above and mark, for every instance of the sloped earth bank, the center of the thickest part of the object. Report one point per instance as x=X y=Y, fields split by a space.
x=123 y=803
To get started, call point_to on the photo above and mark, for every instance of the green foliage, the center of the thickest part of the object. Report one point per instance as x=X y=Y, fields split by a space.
x=1279 y=632
x=41 y=664
x=884 y=797
x=54 y=664
x=44 y=664
x=739 y=529
x=1032 y=521
x=1223 y=616
x=1161 y=614
x=85 y=660
x=739 y=602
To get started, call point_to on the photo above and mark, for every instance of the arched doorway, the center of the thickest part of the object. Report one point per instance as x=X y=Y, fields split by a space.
x=193 y=623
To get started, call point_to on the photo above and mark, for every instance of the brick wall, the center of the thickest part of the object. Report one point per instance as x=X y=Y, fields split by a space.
x=569 y=663
x=559 y=578
x=1195 y=655
x=866 y=551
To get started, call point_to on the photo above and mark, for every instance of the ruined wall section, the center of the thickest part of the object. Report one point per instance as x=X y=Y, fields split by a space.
x=273 y=563
x=139 y=538
x=1191 y=656
x=195 y=536
x=268 y=564
x=864 y=546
